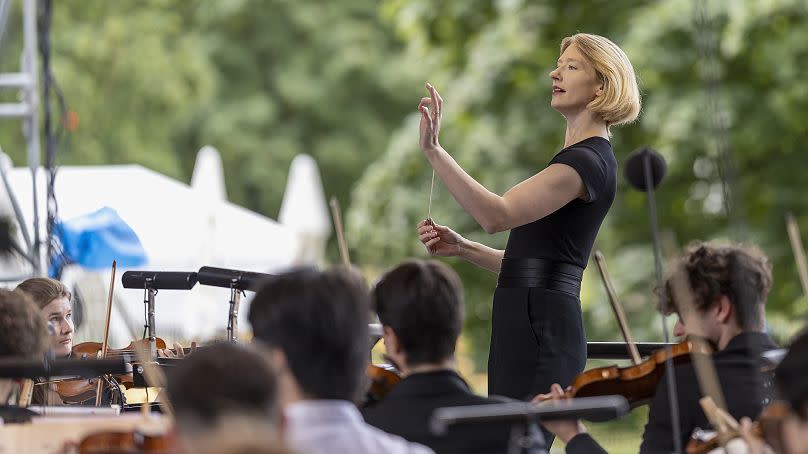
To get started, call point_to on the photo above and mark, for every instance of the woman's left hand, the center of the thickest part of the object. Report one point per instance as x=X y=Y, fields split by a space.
x=564 y=429
x=429 y=128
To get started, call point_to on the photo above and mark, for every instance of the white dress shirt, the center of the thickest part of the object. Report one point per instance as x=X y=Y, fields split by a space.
x=335 y=427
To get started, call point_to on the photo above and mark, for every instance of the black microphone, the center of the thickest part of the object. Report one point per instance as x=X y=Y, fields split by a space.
x=635 y=168
x=223 y=277
x=159 y=280
x=598 y=408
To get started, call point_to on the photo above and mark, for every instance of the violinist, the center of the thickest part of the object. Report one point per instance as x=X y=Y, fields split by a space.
x=420 y=306
x=729 y=285
x=56 y=309
x=315 y=324
x=22 y=335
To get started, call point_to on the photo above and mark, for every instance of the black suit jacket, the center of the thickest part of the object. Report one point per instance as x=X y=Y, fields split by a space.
x=407 y=409
x=746 y=391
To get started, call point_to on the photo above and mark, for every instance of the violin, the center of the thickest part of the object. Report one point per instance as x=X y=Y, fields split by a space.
x=638 y=382
x=135 y=441
x=383 y=378
x=82 y=391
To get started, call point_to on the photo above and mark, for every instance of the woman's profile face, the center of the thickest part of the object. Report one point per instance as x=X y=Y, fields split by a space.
x=59 y=315
x=575 y=82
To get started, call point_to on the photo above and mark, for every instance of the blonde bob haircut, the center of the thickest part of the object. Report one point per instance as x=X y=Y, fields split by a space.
x=620 y=102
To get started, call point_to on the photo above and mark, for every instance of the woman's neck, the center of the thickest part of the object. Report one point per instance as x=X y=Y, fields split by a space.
x=583 y=126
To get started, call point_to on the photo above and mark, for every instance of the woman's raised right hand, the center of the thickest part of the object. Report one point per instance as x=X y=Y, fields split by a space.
x=439 y=239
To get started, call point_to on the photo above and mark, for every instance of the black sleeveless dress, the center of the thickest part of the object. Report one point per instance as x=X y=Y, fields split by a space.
x=537 y=335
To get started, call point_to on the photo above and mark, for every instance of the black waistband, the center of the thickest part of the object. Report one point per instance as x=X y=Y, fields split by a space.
x=541 y=273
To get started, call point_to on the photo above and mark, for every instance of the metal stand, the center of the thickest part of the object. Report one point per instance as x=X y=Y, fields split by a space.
x=669 y=375
x=148 y=300
x=232 y=317
x=527 y=438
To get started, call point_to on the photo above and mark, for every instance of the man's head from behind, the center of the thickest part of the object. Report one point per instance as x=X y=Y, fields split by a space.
x=420 y=305
x=316 y=324
x=719 y=291
x=221 y=380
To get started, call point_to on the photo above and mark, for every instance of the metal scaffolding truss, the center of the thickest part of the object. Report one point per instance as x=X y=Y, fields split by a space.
x=26 y=81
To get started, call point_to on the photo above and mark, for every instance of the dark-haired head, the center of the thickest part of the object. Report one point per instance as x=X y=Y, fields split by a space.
x=421 y=301
x=220 y=381
x=719 y=285
x=318 y=321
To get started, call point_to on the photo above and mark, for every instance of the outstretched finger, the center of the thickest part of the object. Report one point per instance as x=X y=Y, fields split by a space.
x=433 y=95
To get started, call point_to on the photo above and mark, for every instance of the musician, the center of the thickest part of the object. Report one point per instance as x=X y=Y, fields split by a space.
x=791 y=377
x=22 y=335
x=221 y=382
x=316 y=327
x=729 y=285
x=420 y=306
x=537 y=335
x=56 y=309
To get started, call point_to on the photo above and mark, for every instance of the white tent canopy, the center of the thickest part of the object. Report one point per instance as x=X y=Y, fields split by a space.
x=181 y=228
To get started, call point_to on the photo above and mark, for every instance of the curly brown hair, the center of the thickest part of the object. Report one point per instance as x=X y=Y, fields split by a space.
x=22 y=329
x=43 y=290
x=742 y=273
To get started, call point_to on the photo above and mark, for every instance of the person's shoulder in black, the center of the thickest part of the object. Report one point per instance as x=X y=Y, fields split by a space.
x=408 y=408
x=420 y=306
x=738 y=368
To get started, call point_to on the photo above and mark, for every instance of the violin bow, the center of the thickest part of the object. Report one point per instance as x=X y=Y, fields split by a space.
x=799 y=251
x=105 y=343
x=600 y=261
x=343 y=247
x=702 y=364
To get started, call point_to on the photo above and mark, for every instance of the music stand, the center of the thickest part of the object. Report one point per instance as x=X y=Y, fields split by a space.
x=524 y=417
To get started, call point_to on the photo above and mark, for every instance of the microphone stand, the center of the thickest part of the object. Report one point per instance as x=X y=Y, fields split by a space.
x=232 y=316
x=148 y=300
x=669 y=375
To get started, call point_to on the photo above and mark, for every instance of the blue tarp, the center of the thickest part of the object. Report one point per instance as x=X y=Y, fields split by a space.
x=95 y=240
